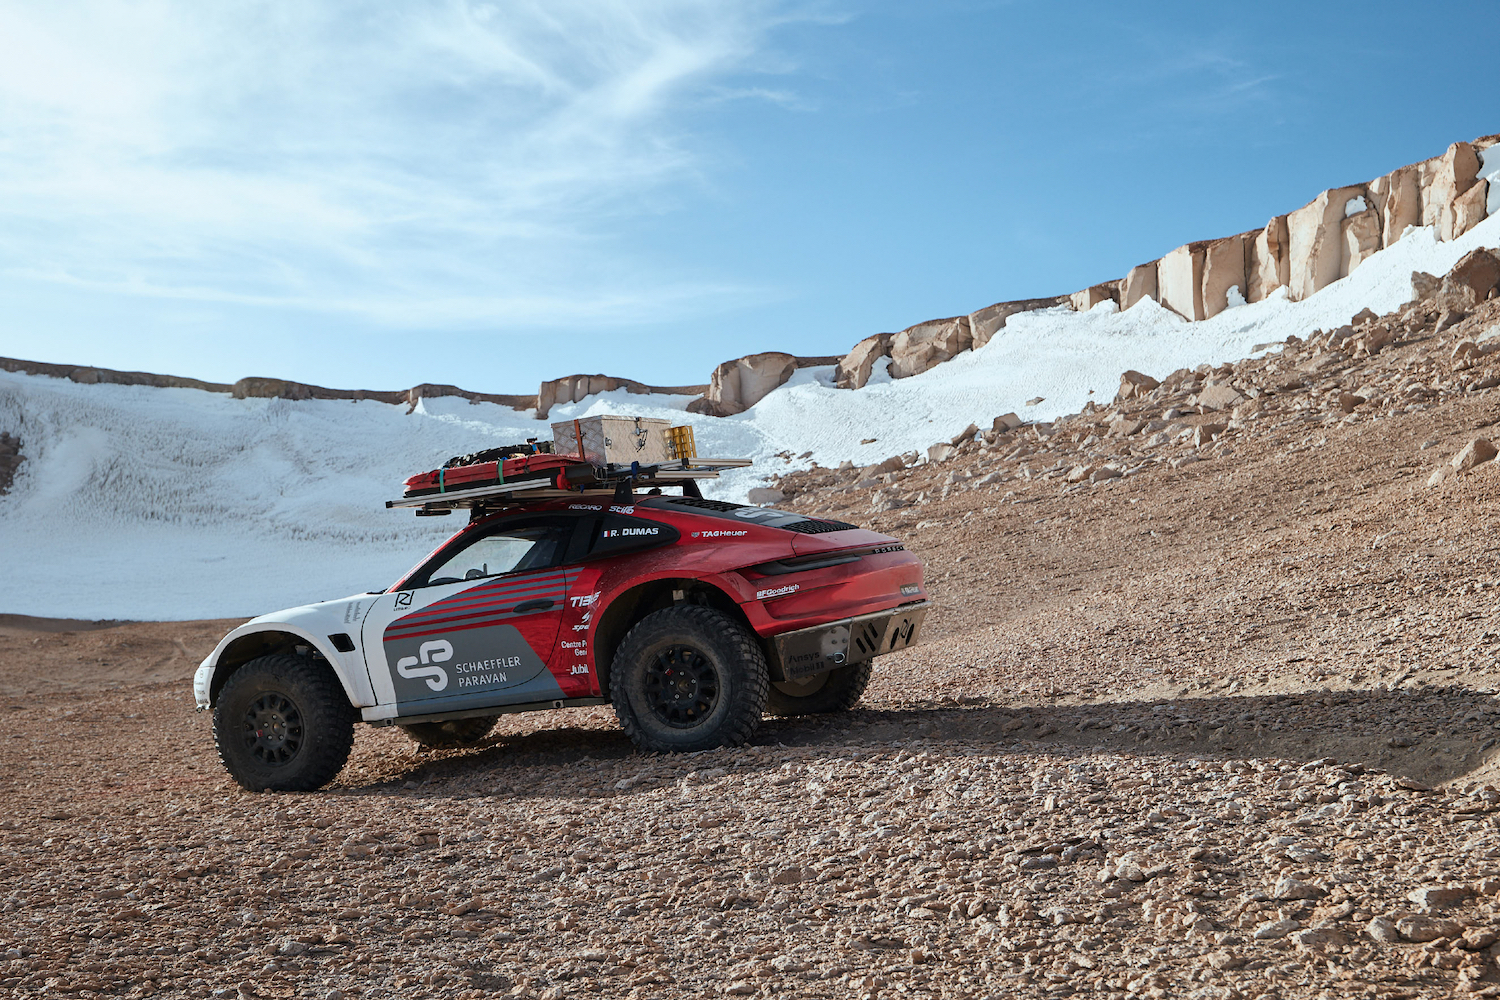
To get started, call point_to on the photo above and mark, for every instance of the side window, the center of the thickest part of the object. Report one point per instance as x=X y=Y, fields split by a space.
x=506 y=550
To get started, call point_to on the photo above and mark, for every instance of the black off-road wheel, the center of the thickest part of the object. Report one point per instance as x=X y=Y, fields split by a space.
x=835 y=691
x=453 y=733
x=689 y=678
x=282 y=724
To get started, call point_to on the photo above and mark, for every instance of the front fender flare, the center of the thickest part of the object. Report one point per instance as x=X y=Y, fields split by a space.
x=349 y=667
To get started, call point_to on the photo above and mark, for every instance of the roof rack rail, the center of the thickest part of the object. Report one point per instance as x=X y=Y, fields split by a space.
x=557 y=478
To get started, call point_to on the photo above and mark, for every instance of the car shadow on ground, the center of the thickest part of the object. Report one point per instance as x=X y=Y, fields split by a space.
x=1434 y=734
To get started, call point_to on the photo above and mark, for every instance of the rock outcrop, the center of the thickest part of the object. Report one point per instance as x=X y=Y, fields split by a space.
x=1134 y=384
x=1268 y=264
x=260 y=387
x=1446 y=178
x=918 y=348
x=1223 y=269
x=990 y=320
x=1093 y=295
x=854 y=369
x=1472 y=280
x=739 y=384
x=1139 y=283
x=1179 y=280
x=1400 y=195
x=93 y=376
x=1361 y=239
x=574 y=388
x=1315 y=241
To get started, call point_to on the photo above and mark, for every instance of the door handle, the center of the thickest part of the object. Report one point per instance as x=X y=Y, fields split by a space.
x=541 y=604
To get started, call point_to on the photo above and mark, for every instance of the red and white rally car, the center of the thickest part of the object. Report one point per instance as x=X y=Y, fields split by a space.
x=570 y=587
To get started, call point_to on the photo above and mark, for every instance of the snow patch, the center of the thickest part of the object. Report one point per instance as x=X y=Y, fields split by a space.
x=1355 y=205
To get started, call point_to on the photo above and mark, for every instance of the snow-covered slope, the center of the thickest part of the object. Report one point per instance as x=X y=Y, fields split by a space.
x=137 y=502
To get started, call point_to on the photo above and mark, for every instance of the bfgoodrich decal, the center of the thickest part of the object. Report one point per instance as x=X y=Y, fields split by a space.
x=791 y=588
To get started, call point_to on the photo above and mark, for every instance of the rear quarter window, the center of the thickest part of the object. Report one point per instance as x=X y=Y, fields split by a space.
x=616 y=534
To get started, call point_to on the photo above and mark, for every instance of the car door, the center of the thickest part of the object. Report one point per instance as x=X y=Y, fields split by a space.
x=477 y=627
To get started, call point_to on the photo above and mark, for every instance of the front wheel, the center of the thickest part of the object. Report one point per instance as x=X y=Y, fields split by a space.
x=689 y=678
x=834 y=691
x=452 y=734
x=282 y=724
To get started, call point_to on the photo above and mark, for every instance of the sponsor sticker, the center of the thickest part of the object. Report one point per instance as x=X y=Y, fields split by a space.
x=415 y=668
x=791 y=588
x=615 y=508
x=585 y=601
x=908 y=589
x=719 y=534
x=585 y=506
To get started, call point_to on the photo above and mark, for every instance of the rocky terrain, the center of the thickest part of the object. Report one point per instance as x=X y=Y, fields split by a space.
x=1207 y=708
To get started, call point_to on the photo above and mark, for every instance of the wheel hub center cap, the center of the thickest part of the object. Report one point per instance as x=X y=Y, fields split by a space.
x=273 y=729
x=683 y=686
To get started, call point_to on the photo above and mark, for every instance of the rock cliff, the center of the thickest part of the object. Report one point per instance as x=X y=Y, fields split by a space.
x=1302 y=252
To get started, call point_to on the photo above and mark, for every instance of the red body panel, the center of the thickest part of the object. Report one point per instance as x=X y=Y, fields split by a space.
x=716 y=549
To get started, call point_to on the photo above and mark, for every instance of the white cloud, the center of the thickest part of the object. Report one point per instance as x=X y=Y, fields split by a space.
x=438 y=162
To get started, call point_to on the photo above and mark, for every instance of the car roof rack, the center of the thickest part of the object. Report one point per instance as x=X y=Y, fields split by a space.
x=561 y=477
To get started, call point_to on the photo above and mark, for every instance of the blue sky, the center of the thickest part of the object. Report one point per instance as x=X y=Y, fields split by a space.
x=488 y=193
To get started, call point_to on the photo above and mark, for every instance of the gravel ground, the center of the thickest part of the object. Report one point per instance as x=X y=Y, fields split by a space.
x=1216 y=728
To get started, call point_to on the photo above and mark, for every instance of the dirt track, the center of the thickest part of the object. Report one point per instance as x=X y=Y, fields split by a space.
x=1220 y=731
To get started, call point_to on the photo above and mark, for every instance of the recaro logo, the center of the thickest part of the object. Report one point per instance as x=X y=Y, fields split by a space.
x=436 y=651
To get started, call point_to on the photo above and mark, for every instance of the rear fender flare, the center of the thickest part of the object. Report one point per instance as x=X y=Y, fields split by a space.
x=632 y=604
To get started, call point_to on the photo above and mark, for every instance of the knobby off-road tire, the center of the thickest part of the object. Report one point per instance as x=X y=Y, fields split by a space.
x=689 y=678
x=835 y=691
x=451 y=734
x=282 y=724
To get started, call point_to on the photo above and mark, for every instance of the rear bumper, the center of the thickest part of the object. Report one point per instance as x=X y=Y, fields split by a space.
x=810 y=651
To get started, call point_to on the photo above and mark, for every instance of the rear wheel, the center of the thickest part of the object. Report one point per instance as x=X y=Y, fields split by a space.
x=451 y=734
x=689 y=678
x=282 y=724
x=834 y=691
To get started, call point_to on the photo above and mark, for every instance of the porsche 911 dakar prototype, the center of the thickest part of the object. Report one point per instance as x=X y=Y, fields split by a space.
x=570 y=586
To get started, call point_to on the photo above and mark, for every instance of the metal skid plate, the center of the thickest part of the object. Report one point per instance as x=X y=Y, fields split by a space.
x=808 y=652
x=811 y=651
